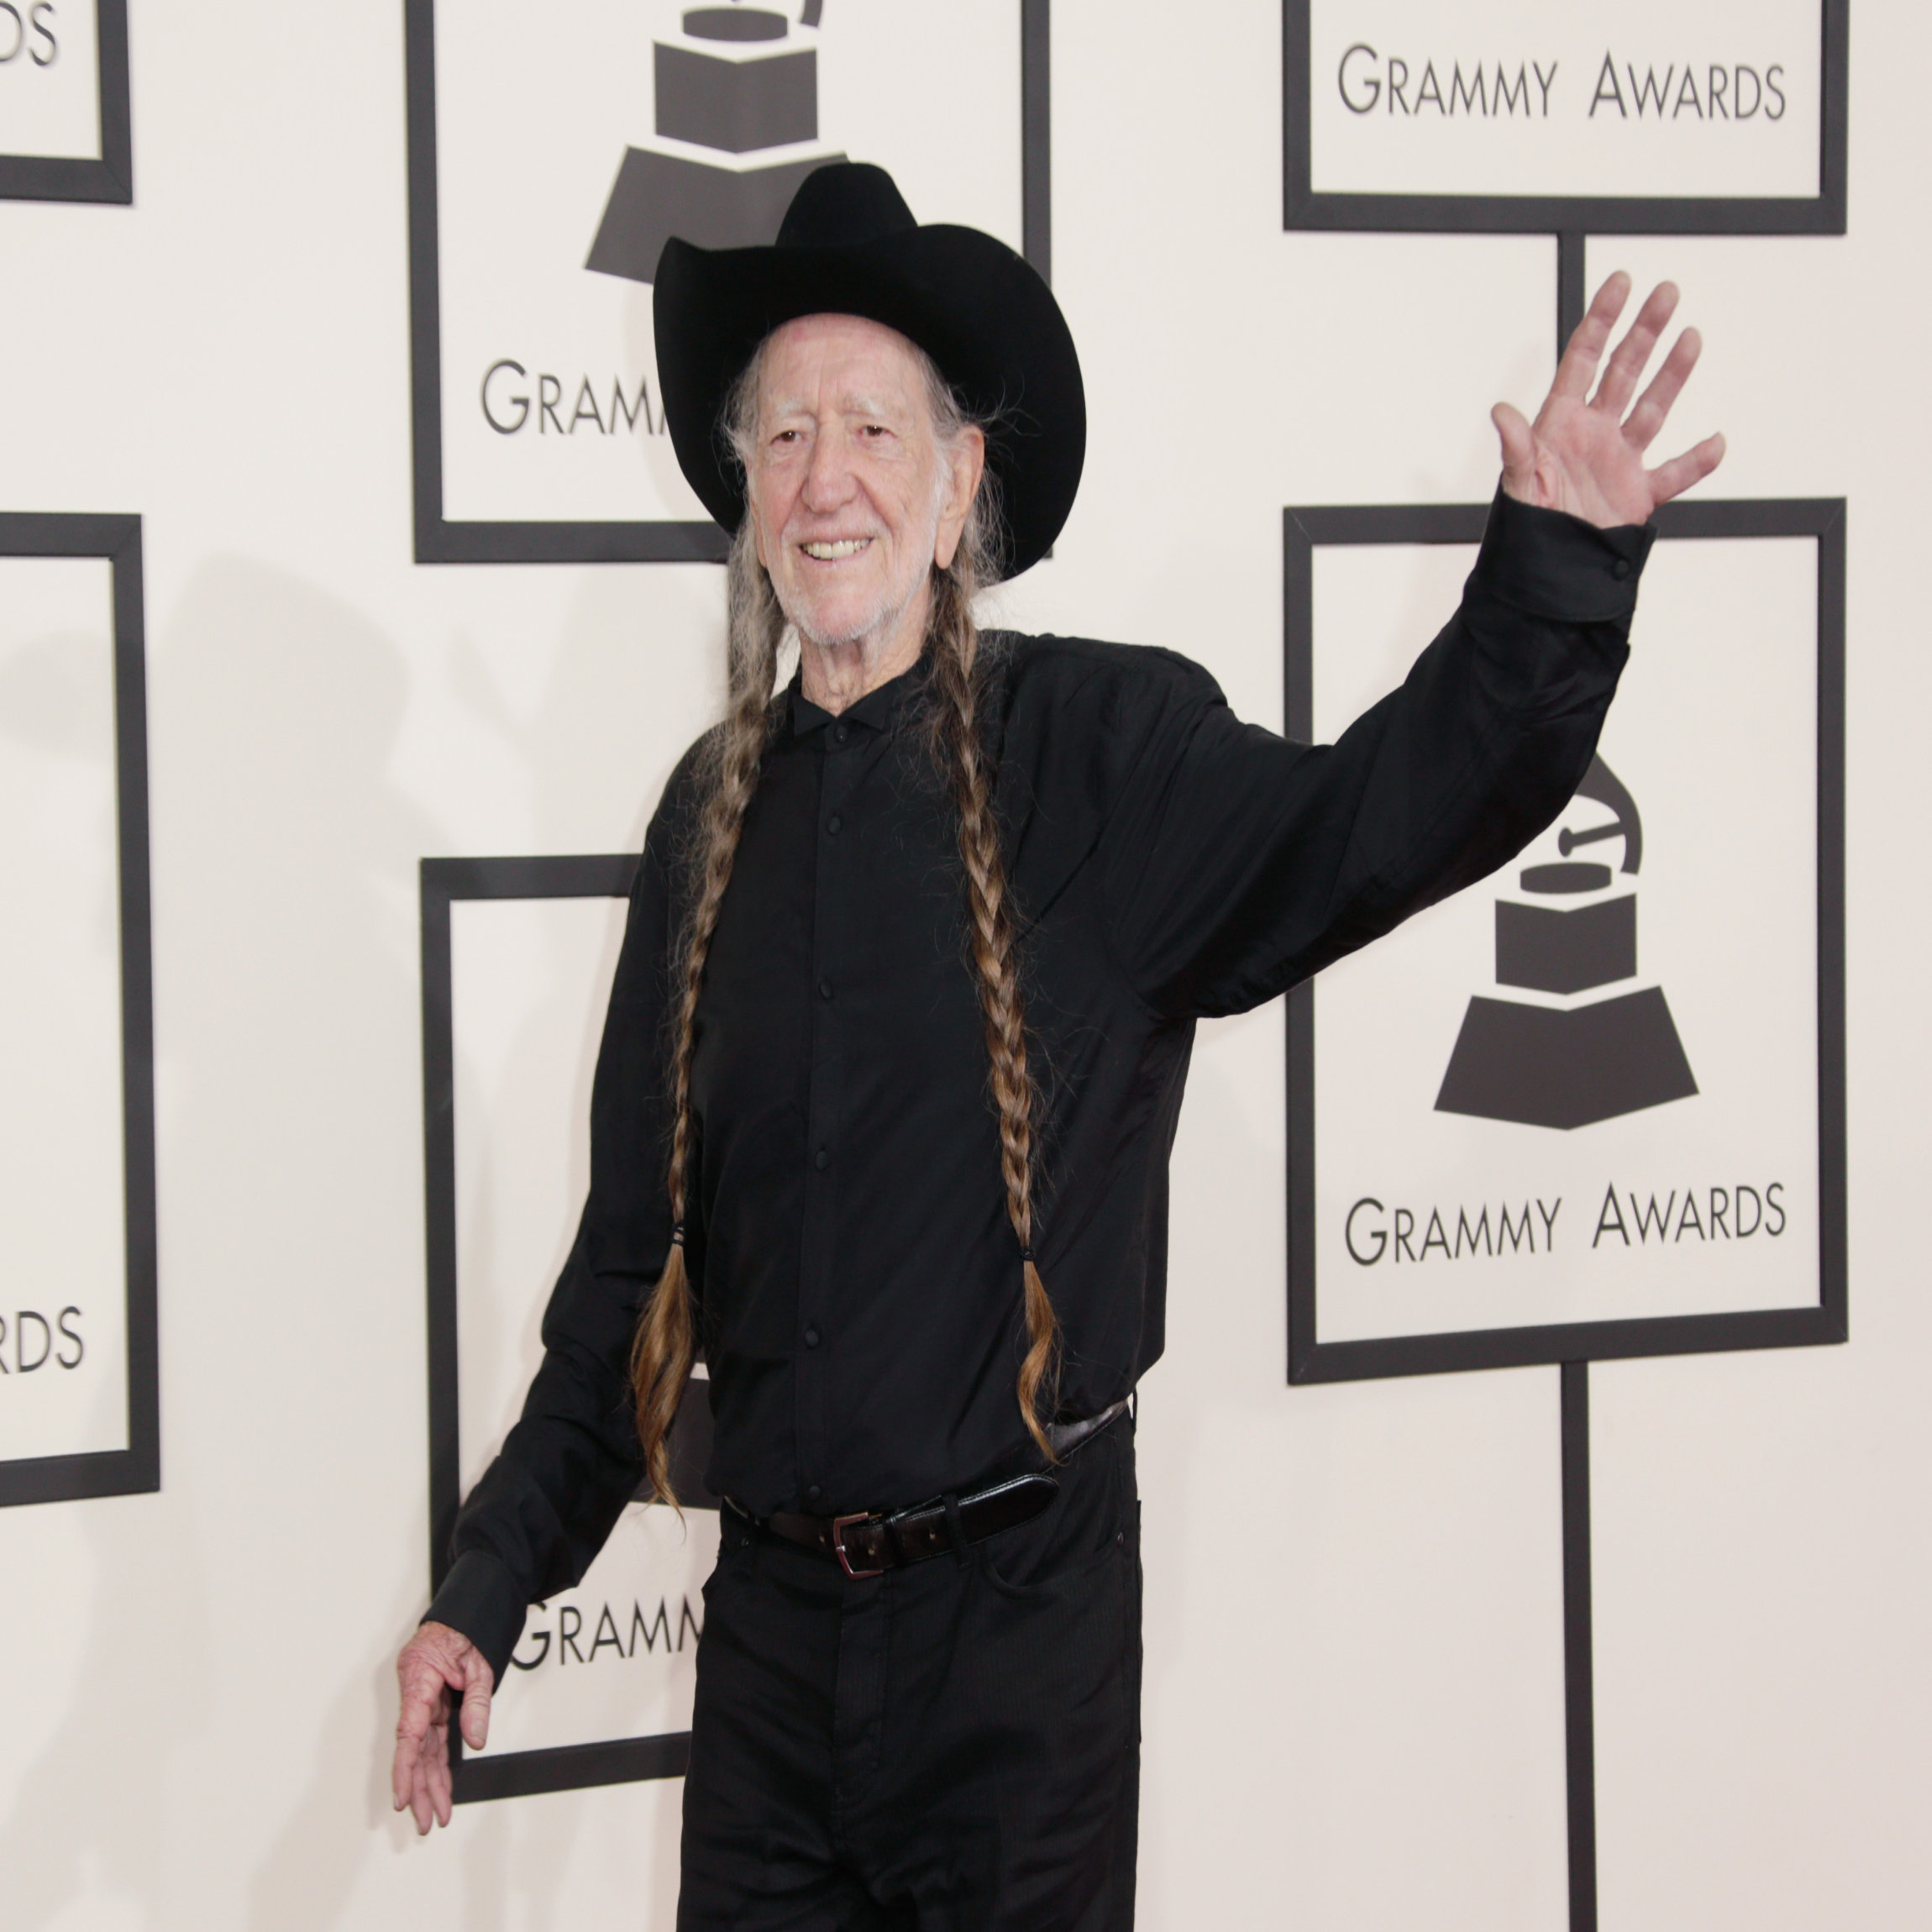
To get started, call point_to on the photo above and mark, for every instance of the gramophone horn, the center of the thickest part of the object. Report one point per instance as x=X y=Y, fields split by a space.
x=1606 y=788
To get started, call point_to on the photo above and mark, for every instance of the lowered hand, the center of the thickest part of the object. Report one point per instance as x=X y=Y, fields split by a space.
x=436 y=1662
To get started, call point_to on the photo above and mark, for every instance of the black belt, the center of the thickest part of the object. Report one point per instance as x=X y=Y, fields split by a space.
x=1067 y=1436
x=869 y=1543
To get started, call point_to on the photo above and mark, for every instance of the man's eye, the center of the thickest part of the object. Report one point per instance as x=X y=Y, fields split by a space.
x=876 y=429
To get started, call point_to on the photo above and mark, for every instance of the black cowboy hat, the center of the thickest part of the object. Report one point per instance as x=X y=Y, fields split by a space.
x=849 y=246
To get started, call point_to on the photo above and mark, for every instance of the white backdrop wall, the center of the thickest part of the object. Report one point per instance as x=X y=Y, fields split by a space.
x=1357 y=1725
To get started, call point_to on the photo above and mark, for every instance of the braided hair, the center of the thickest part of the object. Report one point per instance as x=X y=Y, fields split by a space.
x=664 y=1345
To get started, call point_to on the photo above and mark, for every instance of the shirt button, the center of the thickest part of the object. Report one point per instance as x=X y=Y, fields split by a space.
x=1621 y=568
x=834 y=824
x=813 y=1492
x=840 y=733
x=823 y=1158
x=812 y=1338
x=825 y=988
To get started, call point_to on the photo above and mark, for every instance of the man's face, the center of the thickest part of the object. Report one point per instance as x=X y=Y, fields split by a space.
x=853 y=499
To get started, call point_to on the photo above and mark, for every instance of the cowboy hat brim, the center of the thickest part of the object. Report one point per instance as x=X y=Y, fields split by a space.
x=981 y=311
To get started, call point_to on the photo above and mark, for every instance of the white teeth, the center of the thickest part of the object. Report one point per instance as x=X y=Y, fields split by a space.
x=845 y=547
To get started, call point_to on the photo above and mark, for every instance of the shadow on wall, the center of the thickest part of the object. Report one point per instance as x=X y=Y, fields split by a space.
x=282 y=994
x=287 y=998
x=637 y=675
x=288 y=1538
x=90 y=1822
x=288 y=917
x=303 y=909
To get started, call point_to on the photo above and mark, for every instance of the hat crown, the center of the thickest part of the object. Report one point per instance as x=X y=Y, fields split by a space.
x=844 y=203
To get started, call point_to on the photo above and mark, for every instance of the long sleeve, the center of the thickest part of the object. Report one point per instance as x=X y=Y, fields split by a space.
x=546 y=1505
x=1237 y=863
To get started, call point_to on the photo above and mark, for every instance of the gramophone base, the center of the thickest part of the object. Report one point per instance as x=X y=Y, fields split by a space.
x=658 y=196
x=1549 y=1067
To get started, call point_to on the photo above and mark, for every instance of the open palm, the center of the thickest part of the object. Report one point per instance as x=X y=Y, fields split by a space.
x=1583 y=453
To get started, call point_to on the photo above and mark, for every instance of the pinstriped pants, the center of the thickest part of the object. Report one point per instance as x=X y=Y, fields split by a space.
x=950 y=1747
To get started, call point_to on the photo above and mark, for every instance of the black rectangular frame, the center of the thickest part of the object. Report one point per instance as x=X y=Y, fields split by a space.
x=600 y=875
x=136 y=1469
x=69 y=178
x=1303 y=208
x=1305 y=530
x=660 y=541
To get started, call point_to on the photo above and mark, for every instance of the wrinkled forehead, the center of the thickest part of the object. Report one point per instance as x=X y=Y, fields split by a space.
x=841 y=361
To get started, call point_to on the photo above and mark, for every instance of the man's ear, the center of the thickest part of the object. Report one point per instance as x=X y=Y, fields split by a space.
x=968 y=466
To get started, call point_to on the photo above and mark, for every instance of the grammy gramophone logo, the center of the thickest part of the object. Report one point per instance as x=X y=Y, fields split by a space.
x=735 y=84
x=1592 y=1054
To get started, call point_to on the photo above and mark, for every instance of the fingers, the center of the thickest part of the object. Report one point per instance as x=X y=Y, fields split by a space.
x=413 y=1727
x=421 y=1724
x=475 y=1717
x=429 y=1794
x=437 y=1777
x=1578 y=368
x=402 y=1769
x=1653 y=405
x=421 y=1808
x=1672 y=479
x=1626 y=367
x=1519 y=451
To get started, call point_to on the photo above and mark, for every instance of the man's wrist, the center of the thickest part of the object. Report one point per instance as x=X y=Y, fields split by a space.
x=1551 y=565
x=480 y=1599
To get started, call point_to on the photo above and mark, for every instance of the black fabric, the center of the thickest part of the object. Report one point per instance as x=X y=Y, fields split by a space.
x=947 y=1748
x=859 y=1280
x=849 y=246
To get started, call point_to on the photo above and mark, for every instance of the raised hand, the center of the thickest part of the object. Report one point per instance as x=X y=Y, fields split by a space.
x=1583 y=453
x=436 y=1662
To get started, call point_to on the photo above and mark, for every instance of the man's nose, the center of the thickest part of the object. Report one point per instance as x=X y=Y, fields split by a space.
x=828 y=478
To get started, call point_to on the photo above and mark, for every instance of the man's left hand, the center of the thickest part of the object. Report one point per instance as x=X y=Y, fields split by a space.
x=436 y=1662
x=1583 y=453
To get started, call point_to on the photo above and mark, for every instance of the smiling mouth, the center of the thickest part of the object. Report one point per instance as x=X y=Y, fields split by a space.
x=831 y=553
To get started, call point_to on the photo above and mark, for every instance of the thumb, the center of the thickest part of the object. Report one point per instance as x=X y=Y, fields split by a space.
x=1519 y=451
x=475 y=1719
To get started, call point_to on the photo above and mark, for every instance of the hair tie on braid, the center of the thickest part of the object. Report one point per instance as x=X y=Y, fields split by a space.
x=678 y=1235
x=1025 y=1251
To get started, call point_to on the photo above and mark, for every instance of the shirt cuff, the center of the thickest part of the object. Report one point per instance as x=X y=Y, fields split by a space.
x=1552 y=564
x=480 y=1599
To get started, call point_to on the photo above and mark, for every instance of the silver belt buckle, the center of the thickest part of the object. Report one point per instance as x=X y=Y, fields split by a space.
x=838 y=1529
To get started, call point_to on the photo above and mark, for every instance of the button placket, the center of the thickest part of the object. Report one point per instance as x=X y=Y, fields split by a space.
x=833 y=922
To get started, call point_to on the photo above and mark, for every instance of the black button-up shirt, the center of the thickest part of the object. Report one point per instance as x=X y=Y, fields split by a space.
x=858 y=1282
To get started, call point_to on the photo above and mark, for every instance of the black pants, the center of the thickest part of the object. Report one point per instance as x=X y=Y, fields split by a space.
x=951 y=1747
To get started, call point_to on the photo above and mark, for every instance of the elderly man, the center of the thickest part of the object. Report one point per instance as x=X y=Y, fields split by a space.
x=895 y=1051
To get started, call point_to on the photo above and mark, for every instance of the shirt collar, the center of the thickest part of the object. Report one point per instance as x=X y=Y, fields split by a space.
x=878 y=711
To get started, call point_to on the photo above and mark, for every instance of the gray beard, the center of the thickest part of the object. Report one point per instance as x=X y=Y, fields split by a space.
x=881 y=622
